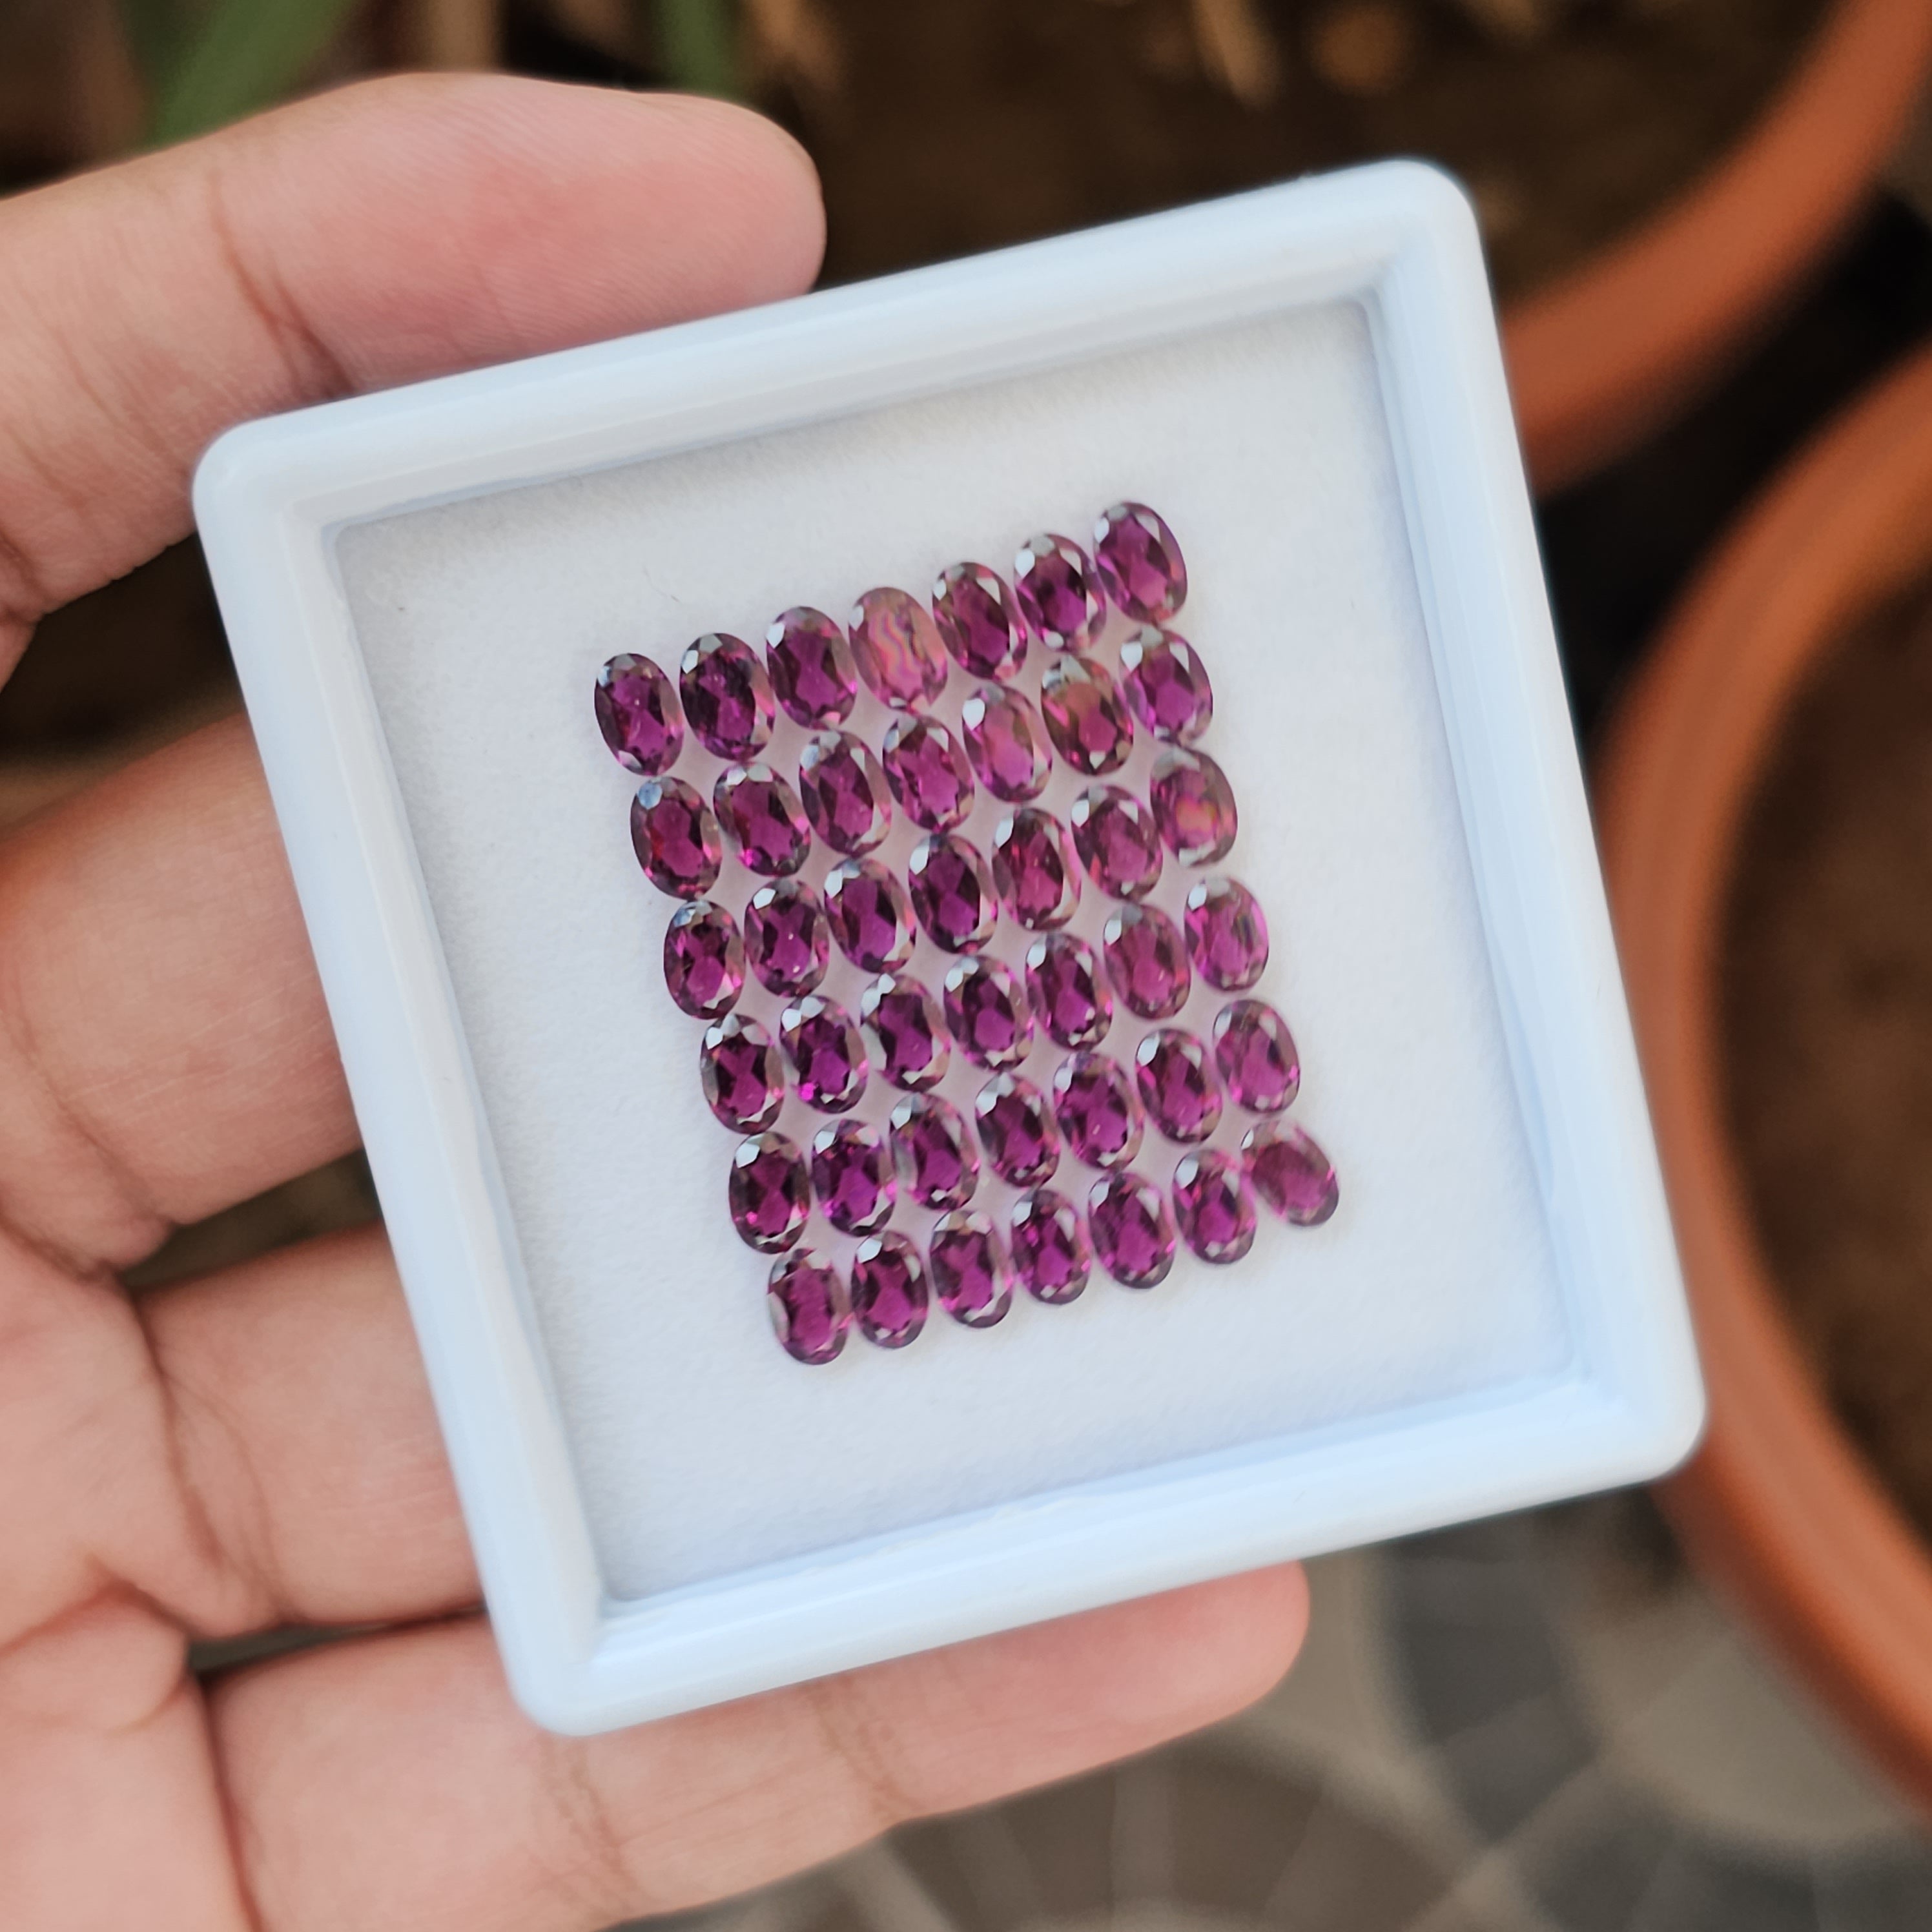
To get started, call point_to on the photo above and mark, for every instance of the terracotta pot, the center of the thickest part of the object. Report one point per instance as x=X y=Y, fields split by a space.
x=1778 y=1504
x=1607 y=354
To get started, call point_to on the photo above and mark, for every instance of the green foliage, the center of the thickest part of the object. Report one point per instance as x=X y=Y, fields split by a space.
x=697 y=46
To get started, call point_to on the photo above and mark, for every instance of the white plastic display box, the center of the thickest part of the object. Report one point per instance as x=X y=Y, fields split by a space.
x=667 y=1509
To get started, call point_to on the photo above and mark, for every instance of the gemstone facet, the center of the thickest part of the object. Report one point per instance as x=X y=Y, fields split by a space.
x=1068 y=990
x=806 y=1301
x=1007 y=743
x=974 y=611
x=1214 y=1205
x=1033 y=868
x=787 y=939
x=813 y=675
x=638 y=713
x=926 y=767
x=1256 y=1053
x=845 y=792
x=1047 y=1240
x=1146 y=960
x=988 y=1012
x=938 y=1165
x=1139 y=563
x=703 y=960
x=1167 y=685
x=1133 y=1232
x=1176 y=1078
x=852 y=1176
x=827 y=1056
x=1227 y=933
x=1086 y=717
x=728 y=698
x=888 y=1292
x=953 y=892
x=763 y=816
x=1289 y=1172
x=1059 y=595
x=1118 y=841
x=1098 y=1109
x=909 y=1040
x=897 y=649
x=742 y=1075
x=968 y=1272
x=769 y=1193
x=871 y=915
x=675 y=838
x=1194 y=805
x=1017 y=1130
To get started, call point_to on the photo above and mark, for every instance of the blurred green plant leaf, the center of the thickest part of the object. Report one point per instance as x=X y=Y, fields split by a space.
x=697 y=46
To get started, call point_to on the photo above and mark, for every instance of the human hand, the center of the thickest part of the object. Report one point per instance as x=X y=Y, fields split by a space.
x=257 y=1448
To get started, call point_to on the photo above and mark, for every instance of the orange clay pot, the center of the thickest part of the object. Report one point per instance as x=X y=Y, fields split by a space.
x=1609 y=353
x=1778 y=1505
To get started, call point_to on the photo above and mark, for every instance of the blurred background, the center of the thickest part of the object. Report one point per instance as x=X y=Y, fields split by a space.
x=1708 y=1711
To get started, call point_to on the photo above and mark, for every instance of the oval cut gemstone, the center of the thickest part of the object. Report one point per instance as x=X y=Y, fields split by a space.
x=888 y=1292
x=1047 y=1240
x=987 y=1012
x=763 y=816
x=1067 y=991
x=1098 y=1110
x=1017 y=1130
x=787 y=938
x=909 y=1040
x=1256 y=1053
x=968 y=1272
x=1007 y=743
x=953 y=892
x=1086 y=717
x=1117 y=840
x=813 y=674
x=1133 y=1232
x=1147 y=962
x=741 y=1073
x=1227 y=933
x=1194 y=805
x=897 y=649
x=1289 y=1172
x=1059 y=595
x=676 y=838
x=770 y=1195
x=845 y=792
x=1176 y=1078
x=1167 y=685
x=871 y=915
x=1033 y=868
x=1139 y=563
x=703 y=960
x=638 y=713
x=806 y=1301
x=828 y=1058
x=974 y=611
x=852 y=1176
x=728 y=698
x=1214 y=1205
x=927 y=769
x=938 y=1165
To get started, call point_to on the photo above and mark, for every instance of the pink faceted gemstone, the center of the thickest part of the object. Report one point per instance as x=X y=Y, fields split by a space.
x=827 y=1056
x=676 y=838
x=1147 y=962
x=852 y=1176
x=763 y=814
x=787 y=939
x=637 y=712
x=1034 y=869
x=1017 y=1130
x=1048 y=1242
x=974 y=611
x=1227 y=933
x=937 y=1164
x=1068 y=990
x=741 y=1073
x=987 y=1012
x=888 y=1292
x=1139 y=563
x=1195 y=805
x=1086 y=717
x=953 y=892
x=728 y=698
x=1167 y=685
x=1256 y=1053
x=1133 y=1232
x=1214 y=1206
x=813 y=675
x=1007 y=743
x=897 y=650
x=703 y=960
x=769 y=1194
x=871 y=915
x=926 y=767
x=969 y=1274
x=909 y=1040
x=1098 y=1110
x=1059 y=595
x=845 y=792
x=806 y=1301
x=1176 y=1078
x=1289 y=1172
x=1117 y=840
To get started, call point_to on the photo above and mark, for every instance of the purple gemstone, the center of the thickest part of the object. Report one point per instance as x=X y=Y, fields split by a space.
x=638 y=712
x=897 y=650
x=703 y=960
x=902 y=1019
x=1289 y=1172
x=953 y=892
x=1175 y=1075
x=871 y=915
x=676 y=838
x=741 y=1072
x=1016 y=1130
x=813 y=675
x=1067 y=990
x=1227 y=935
x=845 y=792
x=852 y=1176
x=889 y=1293
x=1007 y=743
x=1059 y=595
x=806 y=1301
x=1195 y=805
x=1139 y=563
x=1117 y=840
x=787 y=939
x=828 y=1058
x=969 y=1275
x=1214 y=1206
x=1167 y=685
x=1098 y=1110
x=1256 y=1053
x=770 y=1195
x=974 y=611
x=987 y=1012
x=728 y=698
x=763 y=816
x=1048 y=1242
x=1086 y=717
x=1034 y=869
x=1133 y=1232
x=928 y=773
x=1146 y=960
x=937 y=1164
